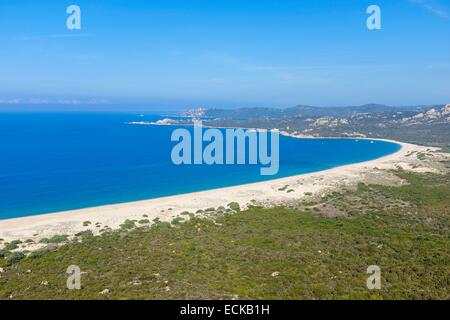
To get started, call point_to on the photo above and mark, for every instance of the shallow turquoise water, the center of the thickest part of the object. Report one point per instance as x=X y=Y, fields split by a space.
x=61 y=161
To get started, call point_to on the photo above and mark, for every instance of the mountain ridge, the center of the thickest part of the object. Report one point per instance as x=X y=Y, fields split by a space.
x=299 y=110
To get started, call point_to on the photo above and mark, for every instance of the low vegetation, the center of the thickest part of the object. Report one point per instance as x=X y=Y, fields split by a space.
x=55 y=239
x=12 y=245
x=291 y=253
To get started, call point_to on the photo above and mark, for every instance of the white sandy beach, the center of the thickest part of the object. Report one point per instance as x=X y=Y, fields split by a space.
x=267 y=193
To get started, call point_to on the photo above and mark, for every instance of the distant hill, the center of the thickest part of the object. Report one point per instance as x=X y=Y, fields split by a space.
x=300 y=110
x=429 y=125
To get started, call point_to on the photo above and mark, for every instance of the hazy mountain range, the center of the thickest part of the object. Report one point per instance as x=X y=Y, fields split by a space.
x=299 y=110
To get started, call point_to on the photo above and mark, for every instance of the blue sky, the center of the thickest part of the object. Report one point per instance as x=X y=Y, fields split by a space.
x=224 y=53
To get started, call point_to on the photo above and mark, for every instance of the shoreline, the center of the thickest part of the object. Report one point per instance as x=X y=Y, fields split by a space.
x=167 y=208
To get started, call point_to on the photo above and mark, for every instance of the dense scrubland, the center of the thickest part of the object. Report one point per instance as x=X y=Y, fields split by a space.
x=424 y=125
x=318 y=248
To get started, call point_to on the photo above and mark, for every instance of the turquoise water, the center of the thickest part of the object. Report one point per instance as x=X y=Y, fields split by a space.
x=61 y=161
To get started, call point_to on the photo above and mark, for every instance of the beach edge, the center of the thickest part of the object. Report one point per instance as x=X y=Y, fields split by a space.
x=166 y=208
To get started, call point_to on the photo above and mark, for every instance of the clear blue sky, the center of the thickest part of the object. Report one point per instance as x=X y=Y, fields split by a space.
x=225 y=53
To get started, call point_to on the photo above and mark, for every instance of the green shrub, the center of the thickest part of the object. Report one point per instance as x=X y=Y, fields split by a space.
x=234 y=206
x=177 y=220
x=85 y=234
x=37 y=254
x=15 y=257
x=128 y=224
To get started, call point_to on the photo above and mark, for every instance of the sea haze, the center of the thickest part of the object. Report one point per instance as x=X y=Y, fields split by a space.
x=53 y=162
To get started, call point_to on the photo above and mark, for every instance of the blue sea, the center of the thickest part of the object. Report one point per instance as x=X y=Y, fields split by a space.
x=53 y=162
